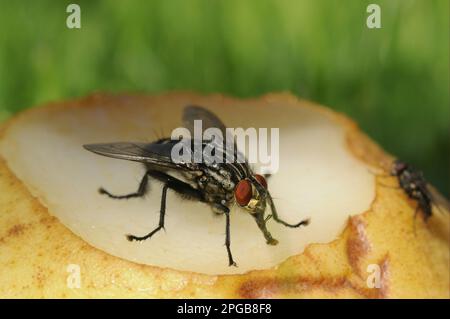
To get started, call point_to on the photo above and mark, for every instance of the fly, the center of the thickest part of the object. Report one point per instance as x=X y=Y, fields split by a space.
x=219 y=185
x=416 y=187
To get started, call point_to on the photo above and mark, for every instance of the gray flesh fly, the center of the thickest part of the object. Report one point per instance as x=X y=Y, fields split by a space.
x=219 y=185
x=414 y=184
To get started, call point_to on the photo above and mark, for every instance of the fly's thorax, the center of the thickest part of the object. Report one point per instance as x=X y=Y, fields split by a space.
x=192 y=176
x=216 y=185
x=405 y=180
x=217 y=176
x=410 y=181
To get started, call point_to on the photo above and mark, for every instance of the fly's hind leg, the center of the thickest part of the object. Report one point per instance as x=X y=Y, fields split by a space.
x=178 y=186
x=228 y=239
x=142 y=190
x=181 y=188
x=162 y=213
x=222 y=209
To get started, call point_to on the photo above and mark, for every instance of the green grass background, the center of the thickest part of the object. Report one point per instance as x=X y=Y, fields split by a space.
x=393 y=81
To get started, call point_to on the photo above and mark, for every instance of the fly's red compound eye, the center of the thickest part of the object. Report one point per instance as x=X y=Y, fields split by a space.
x=261 y=180
x=243 y=192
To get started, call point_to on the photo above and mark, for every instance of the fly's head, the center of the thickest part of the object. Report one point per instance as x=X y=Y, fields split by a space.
x=251 y=193
x=398 y=167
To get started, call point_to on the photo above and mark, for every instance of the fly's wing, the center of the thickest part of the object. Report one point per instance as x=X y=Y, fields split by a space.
x=158 y=154
x=438 y=199
x=209 y=119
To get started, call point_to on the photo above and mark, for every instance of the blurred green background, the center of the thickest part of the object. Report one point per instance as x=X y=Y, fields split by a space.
x=393 y=81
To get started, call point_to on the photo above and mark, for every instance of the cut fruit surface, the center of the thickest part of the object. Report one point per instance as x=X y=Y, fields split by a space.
x=318 y=178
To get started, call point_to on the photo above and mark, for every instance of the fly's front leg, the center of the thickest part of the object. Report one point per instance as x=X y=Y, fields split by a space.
x=162 y=213
x=228 y=239
x=275 y=217
x=261 y=222
x=142 y=190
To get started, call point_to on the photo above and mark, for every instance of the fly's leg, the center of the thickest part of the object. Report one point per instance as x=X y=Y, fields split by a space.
x=175 y=184
x=188 y=192
x=426 y=207
x=142 y=190
x=225 y=210
x=275 y=217
x=261 y=222
x=416 y=211
x=162 y=213
x=228 y=239
x=180 y=187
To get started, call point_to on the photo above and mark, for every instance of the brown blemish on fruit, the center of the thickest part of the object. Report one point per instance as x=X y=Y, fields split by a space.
x=384 y=289
x=266 y=287
x=48 y=220
x=380 y=292
x=40 y=277
x=278 y=287
x=15 y=231
x=358 y=244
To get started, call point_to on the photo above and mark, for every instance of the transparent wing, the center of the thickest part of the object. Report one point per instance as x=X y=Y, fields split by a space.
x=441 y=203
x=209 y=119
x=150 y=153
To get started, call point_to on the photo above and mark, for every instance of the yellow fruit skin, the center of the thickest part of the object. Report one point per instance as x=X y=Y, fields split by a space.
x=413 y=256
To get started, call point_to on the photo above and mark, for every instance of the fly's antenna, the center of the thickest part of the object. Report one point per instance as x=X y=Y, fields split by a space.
x=415 y=220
